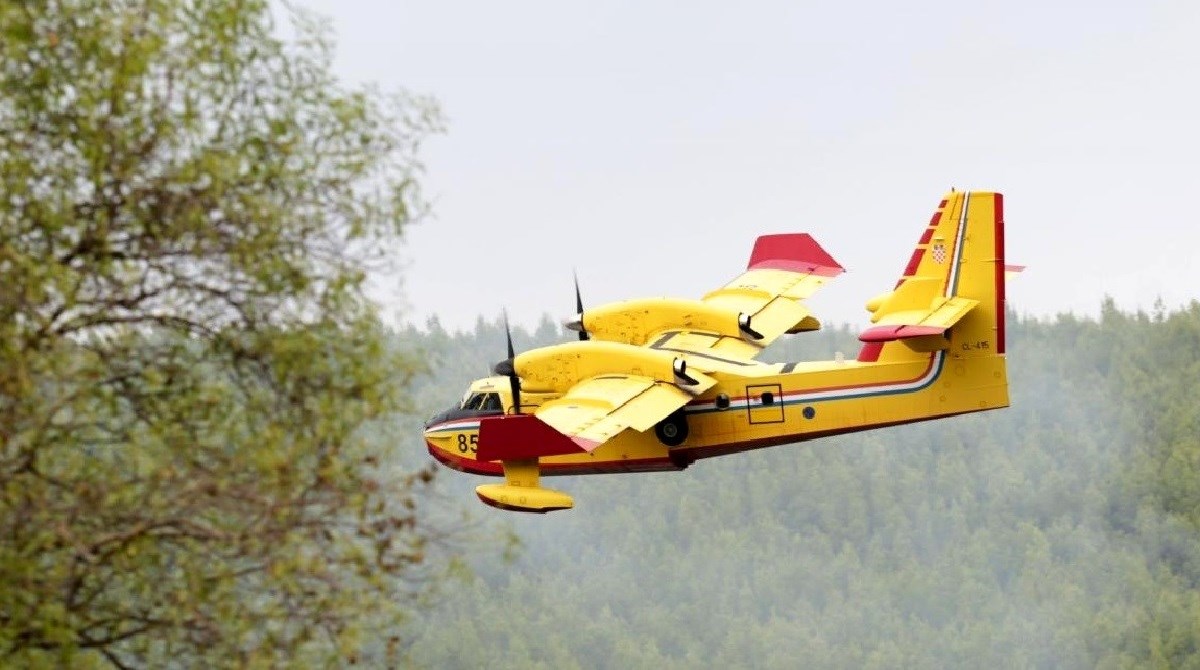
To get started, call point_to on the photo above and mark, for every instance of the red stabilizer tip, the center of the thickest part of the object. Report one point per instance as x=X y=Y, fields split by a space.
x=889 y=333
x=795 y=252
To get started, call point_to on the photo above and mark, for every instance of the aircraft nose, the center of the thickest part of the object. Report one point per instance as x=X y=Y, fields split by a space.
x=435 y=435
x=438 y=418
x=432 y=443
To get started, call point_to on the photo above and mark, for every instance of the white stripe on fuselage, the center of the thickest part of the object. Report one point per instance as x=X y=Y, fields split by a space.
x=820 y=395
x=454 y=425
x=952 y=284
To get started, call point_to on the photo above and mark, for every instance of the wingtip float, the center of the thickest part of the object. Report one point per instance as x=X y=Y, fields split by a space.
x=657 y=384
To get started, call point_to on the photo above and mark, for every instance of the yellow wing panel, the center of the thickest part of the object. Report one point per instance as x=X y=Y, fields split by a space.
x=755 y=287
x=783 y=271
x=710 y=352
x=599 y=408
x=769 y=297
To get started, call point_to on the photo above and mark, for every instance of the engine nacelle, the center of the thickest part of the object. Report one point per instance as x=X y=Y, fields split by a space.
x=556 y=369
x=635 y=321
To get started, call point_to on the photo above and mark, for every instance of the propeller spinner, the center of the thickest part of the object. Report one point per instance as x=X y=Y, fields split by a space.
x=577 y=322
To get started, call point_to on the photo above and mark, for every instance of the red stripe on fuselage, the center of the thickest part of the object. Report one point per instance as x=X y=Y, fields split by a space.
x=464 y=464
x=698 y=453
x=843 y=387
x=495 y=469
x=998 y=204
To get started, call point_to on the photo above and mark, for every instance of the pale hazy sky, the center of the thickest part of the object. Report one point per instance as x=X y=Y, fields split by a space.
x=647 y=144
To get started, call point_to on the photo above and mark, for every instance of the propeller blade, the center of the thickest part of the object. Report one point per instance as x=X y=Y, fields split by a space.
x=583 y=334
x=508 y=337
x=514 y=387
x=508 y=368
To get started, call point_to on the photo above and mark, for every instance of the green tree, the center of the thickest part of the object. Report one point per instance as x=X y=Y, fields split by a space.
x=192 y=382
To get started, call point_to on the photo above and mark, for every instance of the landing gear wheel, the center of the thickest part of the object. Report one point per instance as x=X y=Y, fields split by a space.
x=673 y=430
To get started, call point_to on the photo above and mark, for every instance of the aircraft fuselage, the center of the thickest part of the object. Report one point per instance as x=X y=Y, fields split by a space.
x=761 y=406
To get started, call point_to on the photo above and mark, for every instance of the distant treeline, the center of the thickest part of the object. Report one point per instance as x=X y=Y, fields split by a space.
x=1063 y=532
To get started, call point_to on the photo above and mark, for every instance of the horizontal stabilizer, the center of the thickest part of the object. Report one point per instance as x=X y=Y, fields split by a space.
x=912 y=323
x=794 y=252
x=523 y=436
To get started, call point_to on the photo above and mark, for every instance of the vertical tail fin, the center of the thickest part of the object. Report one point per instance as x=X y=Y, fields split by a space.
x=951 y=295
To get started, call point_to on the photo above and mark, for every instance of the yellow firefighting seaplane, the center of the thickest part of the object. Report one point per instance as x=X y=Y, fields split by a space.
x=656 y=384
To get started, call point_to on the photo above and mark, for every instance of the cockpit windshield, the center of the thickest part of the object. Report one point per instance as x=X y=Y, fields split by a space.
x=483 y=401
x=473 y=401
x=491 y=402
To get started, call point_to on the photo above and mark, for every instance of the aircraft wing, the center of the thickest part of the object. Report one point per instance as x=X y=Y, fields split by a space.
x=595 y=410
x=783 y=271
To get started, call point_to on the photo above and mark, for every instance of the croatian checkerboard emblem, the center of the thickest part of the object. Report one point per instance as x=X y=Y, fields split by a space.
x=939 y=252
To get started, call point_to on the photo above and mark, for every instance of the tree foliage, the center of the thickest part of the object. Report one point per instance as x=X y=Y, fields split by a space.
x=192 y=461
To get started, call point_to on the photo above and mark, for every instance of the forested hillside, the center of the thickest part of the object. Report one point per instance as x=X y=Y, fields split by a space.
x=1059 y=533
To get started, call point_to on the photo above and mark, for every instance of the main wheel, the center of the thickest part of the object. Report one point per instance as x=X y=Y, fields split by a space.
x=673 y=430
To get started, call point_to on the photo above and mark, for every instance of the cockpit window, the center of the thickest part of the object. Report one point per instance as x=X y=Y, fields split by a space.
x=473 y=401
x=491 y=401
x=482 y=402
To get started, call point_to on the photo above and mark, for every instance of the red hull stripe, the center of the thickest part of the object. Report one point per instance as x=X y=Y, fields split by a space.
x=495 y=469
x=749 y=445
x=463 y=464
